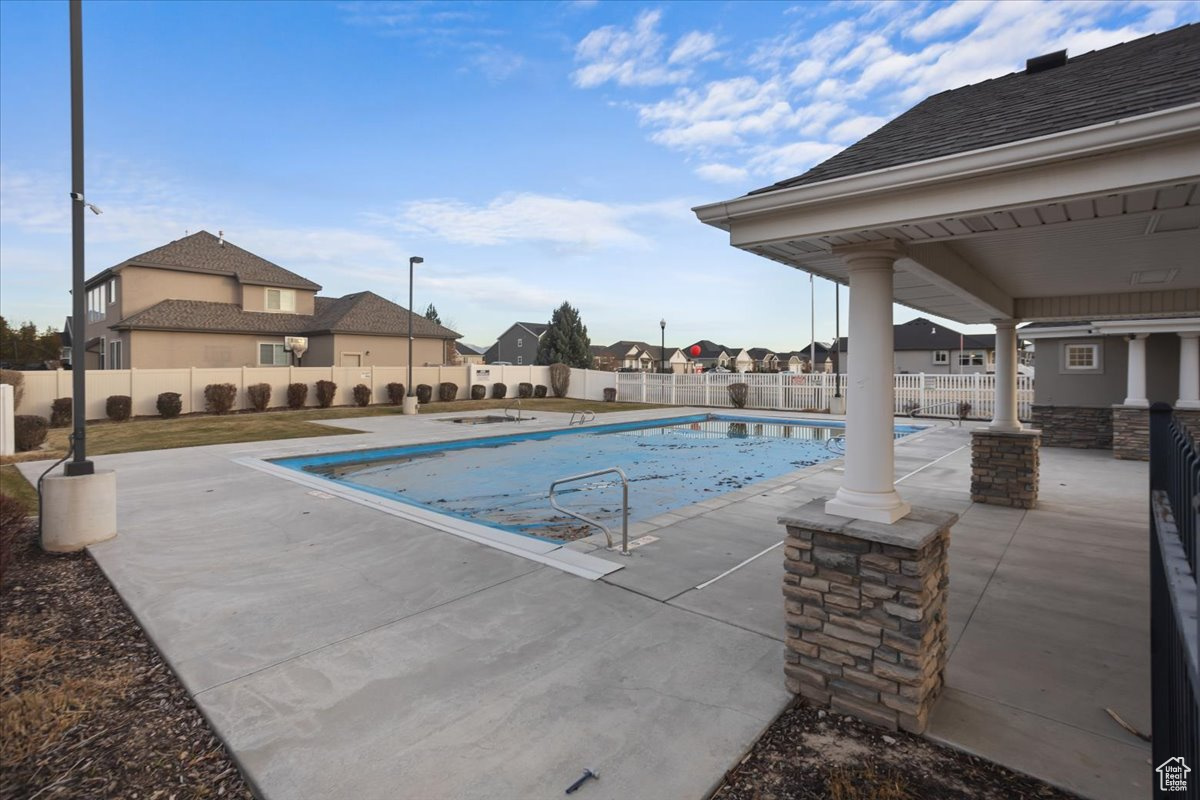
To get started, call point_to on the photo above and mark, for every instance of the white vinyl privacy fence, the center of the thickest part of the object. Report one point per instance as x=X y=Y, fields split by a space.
x=928 y=395
x=145 y=385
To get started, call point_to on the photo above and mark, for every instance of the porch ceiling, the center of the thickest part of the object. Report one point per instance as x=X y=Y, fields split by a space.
x=1063 y=228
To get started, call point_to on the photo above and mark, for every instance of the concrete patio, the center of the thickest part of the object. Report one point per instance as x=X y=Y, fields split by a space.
x=343 y=651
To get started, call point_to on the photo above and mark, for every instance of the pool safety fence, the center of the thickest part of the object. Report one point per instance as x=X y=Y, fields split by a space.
x=928 y=395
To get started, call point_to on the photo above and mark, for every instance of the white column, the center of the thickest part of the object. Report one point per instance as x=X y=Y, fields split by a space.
x=1004 y=415
x=1135 y=382
x=1189 y=370
x=867 y=490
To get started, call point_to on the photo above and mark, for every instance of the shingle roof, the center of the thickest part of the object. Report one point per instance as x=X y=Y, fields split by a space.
x=203 y=252
x=536 y=328
x=1148 y=74
x=361 y=313
x=708 y=349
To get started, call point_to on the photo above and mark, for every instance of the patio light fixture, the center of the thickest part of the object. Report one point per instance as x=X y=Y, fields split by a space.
x=411 y=261
x=662 y=347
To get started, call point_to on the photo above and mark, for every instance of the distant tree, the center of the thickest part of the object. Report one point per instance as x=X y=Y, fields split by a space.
x=24 y=345
x=432 y=315
x=566 y=340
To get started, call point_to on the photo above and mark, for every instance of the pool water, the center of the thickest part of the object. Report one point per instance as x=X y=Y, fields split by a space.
x=503 y=481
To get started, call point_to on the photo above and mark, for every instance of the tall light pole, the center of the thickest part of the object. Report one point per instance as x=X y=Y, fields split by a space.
x=411 y=262
x=662 y=347
x=79 y=465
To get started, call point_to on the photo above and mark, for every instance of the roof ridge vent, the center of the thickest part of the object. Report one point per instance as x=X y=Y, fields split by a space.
x=1046 y=62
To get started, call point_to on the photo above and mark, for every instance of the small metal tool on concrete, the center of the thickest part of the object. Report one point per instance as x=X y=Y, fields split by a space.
x=587 y=773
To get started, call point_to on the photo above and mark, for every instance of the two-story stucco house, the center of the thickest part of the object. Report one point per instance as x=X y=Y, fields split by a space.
x=518 y=344
x=202 y=301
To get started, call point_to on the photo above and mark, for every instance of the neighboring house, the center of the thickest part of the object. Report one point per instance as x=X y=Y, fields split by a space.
x=634 y=355
x=711 y=355
x=1083 y=376
x=518 y=344
x=762 y=359
x=921 y=345
x=469 y=353
x=201 y=301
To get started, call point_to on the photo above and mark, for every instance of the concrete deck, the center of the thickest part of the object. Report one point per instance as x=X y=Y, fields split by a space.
x=343 y=651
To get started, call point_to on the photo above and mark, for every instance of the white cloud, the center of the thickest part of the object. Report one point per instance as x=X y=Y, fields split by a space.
x=722 y=114
x=947 y=18
x=722 y=173
x=695 y=46
x=529 y=217
x=779 y=163
x=855 y=128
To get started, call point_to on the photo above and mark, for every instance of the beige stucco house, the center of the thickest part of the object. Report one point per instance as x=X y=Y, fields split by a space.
x=202 y=301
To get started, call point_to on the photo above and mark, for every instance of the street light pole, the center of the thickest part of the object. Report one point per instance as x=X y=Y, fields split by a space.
x=79 y=465
x=662 y=347
x=411 y=261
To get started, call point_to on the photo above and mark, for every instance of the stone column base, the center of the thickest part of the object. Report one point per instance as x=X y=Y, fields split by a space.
x=1004 y=467
x=78 y=510
x=1131 y=433
x=866 y=613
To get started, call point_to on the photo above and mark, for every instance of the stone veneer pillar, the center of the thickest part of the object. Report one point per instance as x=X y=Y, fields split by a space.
x=1131 y=433
x=1004 y=467
x=866 y=613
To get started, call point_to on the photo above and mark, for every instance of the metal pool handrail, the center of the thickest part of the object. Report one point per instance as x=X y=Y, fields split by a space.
x=589 y=520
x=516 y=403
x=587 y=415
x=836 y=444
x=912 y=414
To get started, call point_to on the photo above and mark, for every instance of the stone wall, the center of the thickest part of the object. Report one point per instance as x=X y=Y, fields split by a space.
x=866 y=613
x=1074 y=426
x=1131 y=433
x=1004 y=467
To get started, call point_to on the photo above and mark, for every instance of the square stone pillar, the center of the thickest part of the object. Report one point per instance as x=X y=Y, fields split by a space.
x=1131 y=432
x=1004 y=467
x=866 y=613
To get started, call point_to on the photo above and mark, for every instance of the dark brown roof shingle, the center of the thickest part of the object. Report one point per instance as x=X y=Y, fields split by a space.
x=203 y=252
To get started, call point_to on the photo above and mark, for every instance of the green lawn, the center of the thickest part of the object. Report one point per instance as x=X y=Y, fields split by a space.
x=153 y=433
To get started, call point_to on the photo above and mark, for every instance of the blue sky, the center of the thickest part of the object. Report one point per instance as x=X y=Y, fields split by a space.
x=530 y=152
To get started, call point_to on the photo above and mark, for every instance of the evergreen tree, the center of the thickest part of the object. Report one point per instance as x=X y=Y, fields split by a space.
x=566 y=340
x=432 y=315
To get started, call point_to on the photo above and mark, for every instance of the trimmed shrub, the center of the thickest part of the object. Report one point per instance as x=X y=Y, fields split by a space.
x=478 y=391
x=424 y=393
x=260 y=396
x=297 y=395
x=964 y=410
x=499 y=390
x=738 y=392
x=169 y=405
x=60 y=413
x=610 y=394
x=524 y=389
x=539 y=391
x=325 y=393
x=362 y=395
x=219 y=397
x=737 y=430
x=395 y=393
x=119 y=407
x=560 y=379
x=29 y=431
x=15 y=380
x=447 y=391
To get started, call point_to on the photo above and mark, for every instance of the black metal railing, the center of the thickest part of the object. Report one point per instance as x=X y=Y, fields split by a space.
x=1174 y=621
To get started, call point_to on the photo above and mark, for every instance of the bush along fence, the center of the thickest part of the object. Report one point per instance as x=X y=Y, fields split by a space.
x=295 y=387
x=928 y=395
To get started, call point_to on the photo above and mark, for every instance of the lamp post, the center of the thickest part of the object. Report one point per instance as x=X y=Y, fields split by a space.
x=410 y=402
x=662 y=347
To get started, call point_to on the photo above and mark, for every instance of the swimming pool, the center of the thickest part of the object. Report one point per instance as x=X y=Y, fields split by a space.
x=502 y=481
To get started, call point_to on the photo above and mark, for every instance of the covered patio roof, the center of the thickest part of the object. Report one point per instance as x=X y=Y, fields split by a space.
x=1095 y=216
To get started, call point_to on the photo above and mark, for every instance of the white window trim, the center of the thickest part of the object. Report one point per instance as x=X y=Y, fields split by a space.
x=115 y=354
x=520 y=342
x=287 y=357
x=944 y=360
x=1095 y=367
x=520 y=359
x=287 y=301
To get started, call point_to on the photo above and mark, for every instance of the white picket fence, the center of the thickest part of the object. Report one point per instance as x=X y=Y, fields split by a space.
x=144 y=385
x=933 y=395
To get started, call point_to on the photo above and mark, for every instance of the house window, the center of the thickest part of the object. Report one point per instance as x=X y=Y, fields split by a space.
x=95 y=304
x=970 y=358
x=282 y=300
x=1081 y=356
x=520 y=342
x=272 y=355
x=114 y=355
x=941 y=357
x=112 y=290
x=520 y=359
